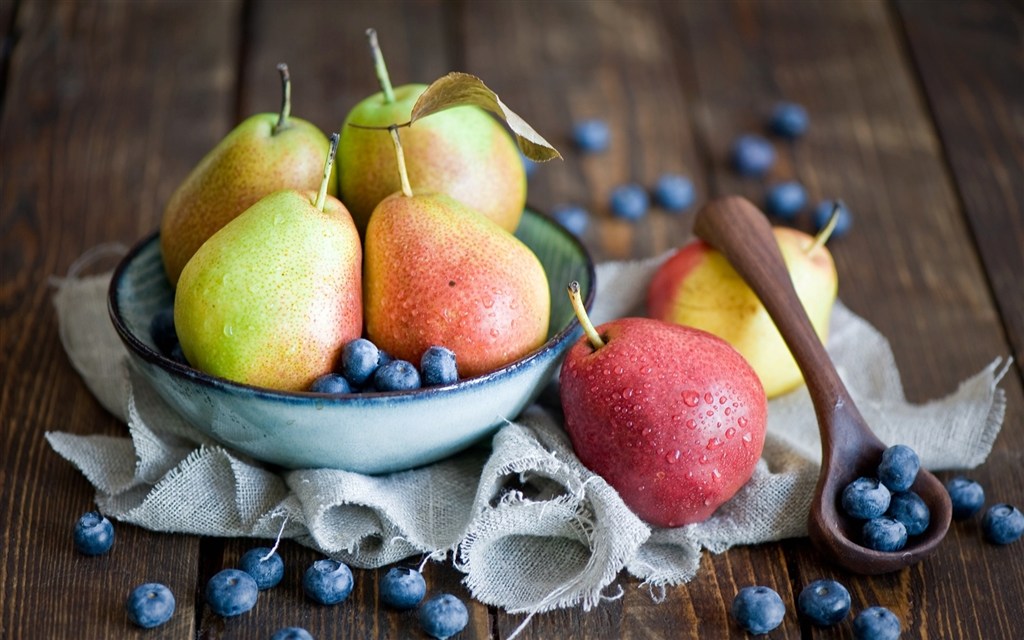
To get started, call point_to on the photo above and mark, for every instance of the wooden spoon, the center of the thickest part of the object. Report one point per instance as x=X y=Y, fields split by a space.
x=849 y=449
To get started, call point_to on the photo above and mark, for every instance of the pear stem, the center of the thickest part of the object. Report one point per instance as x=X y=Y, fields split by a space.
x=378 y=65
x=581 y=315
x=826 y=233
x=400 y=156
x=286 y=99
x=321 y=198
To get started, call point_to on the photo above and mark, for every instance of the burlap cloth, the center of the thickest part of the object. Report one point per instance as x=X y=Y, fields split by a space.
x=526 y=523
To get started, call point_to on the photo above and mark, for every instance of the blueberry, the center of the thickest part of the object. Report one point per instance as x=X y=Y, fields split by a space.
x=94 y=534
x=327 y=581
x=823 y=213
x=785 y=199
x=574 y=218
x=178 y=355
x=752 y=155
x=443 y=616
x=911 y=510
x=898 y=468
x=824 y=602
x=629 y=202
x=162 y=330
x=292 y=633
x=758 y=609
x=266 y=572
x=332 y=383
x=150 y=605
x=884 y=534
x=397 y=375
x=402 y=588
x=865 y=498
x=591 y=136
x=876 y=623
x=437 y=366
x=674 y=192
x=383 y=357
x=529 y=166
x=789 y=120
x=967 y=496
x=1003 y=524
x=359 y=360
x=231 y=592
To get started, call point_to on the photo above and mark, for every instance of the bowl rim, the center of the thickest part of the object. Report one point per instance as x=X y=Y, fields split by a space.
x=174 y=367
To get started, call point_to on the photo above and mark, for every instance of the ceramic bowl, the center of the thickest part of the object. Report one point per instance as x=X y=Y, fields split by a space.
x=369 y=433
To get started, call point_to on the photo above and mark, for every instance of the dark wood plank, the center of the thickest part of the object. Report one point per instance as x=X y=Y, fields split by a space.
x=906 y=266
x=558 y=63
x=105 y=113
x=970 y=61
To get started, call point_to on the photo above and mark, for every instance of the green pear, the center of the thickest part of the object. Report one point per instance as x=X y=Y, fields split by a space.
x=438 y=273
x=462 y=152
x=265 y=153
x=271 y=298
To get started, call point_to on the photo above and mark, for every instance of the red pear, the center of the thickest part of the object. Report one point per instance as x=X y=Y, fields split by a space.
x=670 y=416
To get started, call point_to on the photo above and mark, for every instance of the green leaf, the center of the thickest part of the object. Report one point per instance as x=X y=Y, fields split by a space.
x=460 y=89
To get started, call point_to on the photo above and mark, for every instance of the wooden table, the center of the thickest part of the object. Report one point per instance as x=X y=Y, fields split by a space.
x=917 y=110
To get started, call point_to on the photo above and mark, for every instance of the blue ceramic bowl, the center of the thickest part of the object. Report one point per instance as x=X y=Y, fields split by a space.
x=366 y=433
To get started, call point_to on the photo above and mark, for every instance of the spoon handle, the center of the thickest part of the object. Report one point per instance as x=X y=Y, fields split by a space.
x=739 y=230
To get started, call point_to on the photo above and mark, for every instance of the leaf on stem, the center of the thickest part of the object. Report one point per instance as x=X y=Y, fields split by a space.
x=459 y=89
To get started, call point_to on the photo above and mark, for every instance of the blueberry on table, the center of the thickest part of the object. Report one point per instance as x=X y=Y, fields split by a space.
x=397 y=375
x=966 y=495
x=898 y=468
x=789 y=120
x=823 y=213
x=674 y=192
x=876 y=623
x=94 y=534
x=752 y=155
x=359 y=360
x=884 y=534
x=911 y=510
x=1003 y=524
x=332 y=383
x=150 y=605
x=785 y=199
x=824 y=602
x=443 y=616
x=265 y=567
x=162 y=330
x=629 y=202
x=574 y=218
x=865 y=498
x=591 y=136
x=402 y=588
x=292 y=633
x=758 y=609
x=231 y=592
x=438 y=366
x=327 y=581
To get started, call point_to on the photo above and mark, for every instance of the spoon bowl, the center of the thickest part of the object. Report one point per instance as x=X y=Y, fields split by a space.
x=849 y=449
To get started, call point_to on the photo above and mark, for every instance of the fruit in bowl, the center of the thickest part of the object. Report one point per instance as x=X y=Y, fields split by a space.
x=366 y=433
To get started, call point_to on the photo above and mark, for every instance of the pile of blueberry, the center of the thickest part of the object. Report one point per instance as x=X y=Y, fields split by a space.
x=1002 y=523
x=232 y=592
x=890 y=510
x=364 y=367
x=824 y=603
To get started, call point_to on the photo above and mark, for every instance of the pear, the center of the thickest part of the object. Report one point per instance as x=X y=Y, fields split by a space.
x=271 y=298
x=265 y=153
x=462 y=152
x=438 y=273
